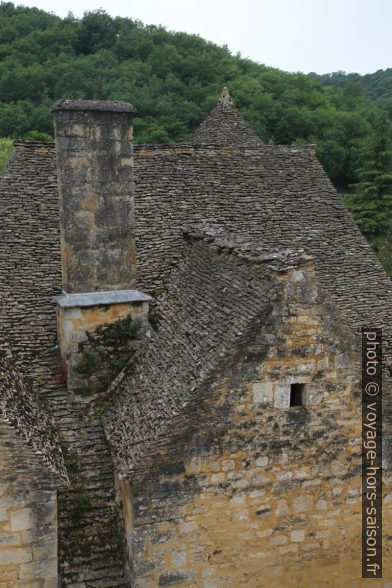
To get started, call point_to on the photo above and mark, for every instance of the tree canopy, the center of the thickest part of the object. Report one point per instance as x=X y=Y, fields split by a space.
x=371 y=203
x=173 y=79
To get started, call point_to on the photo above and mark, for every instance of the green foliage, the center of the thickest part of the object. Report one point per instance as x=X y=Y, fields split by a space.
x=90 y=361
x=103 y=358
x=101 y=409
x=173 y=79
x=158 y=292
x=154 y=317
x=376 y=86
x=5 y=153
x=371 y=203
x=38 y=136
x=123 y=330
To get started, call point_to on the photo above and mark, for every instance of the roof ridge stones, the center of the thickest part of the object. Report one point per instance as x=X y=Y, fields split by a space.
x=225 y=126
x=94 y=105
x=225 y=99
x=280 y=260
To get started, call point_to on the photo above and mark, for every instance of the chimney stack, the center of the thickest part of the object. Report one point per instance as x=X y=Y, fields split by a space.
x=97 y=224
x=94 y=162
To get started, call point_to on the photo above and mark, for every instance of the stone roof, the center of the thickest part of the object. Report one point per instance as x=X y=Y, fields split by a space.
x=224 y=288
x=20 y=408
x=30 y=267
x=274 y=197
x=30 y=274
x=225 y=126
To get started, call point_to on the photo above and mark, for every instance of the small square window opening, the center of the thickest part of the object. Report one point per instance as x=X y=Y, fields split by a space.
x=297 y=395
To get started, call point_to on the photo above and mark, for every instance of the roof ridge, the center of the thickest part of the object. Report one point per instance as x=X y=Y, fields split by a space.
x=32 y=144
x=279 y=259
x=225 y=99
x=225 y=126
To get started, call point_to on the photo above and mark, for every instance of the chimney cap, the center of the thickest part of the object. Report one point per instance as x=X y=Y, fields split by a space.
x=95 y=105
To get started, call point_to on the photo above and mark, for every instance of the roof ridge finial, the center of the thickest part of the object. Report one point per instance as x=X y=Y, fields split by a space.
x=225 y=99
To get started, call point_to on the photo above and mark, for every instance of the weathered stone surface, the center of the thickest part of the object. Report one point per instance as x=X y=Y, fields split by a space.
x=259 y=484
x=262 y=392
x=30 y=277
x=282 y=396
x=94 y=161
x=26 y=523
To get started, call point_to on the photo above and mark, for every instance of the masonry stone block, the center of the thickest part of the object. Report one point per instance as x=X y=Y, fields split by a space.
x=22 y=519
x=15 y=556
x=262 y=392
x=44 y=569
x=297 y=536
x=282 y=396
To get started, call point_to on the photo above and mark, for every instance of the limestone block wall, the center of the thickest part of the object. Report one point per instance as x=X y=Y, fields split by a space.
x=264 y=494
x=28 y=517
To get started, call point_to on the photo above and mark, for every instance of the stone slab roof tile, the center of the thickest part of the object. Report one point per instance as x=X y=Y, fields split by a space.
x=210 y=311
x=273 y=196
x=20 y=408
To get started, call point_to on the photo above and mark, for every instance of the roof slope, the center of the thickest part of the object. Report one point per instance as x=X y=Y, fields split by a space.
x=274 y=196
x=30 y=273
x=19 y=408
x=225 y=126
x=30 y=268
x=222 y=291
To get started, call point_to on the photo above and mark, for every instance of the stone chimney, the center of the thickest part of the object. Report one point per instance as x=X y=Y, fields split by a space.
x=94 y=163
x=97 y=224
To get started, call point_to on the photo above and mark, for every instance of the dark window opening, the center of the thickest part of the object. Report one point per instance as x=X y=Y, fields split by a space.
x=297 y=395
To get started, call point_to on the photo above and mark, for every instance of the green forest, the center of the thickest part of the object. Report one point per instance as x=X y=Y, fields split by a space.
x=174 y=80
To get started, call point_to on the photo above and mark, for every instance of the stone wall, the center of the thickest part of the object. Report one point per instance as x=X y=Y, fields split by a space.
x=28 y=517
x=264 y=494
x=77 y=325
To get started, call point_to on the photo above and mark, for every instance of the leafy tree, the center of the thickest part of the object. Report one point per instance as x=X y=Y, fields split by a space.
x=97 y=30
x=371 y=203
x=5 y=153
